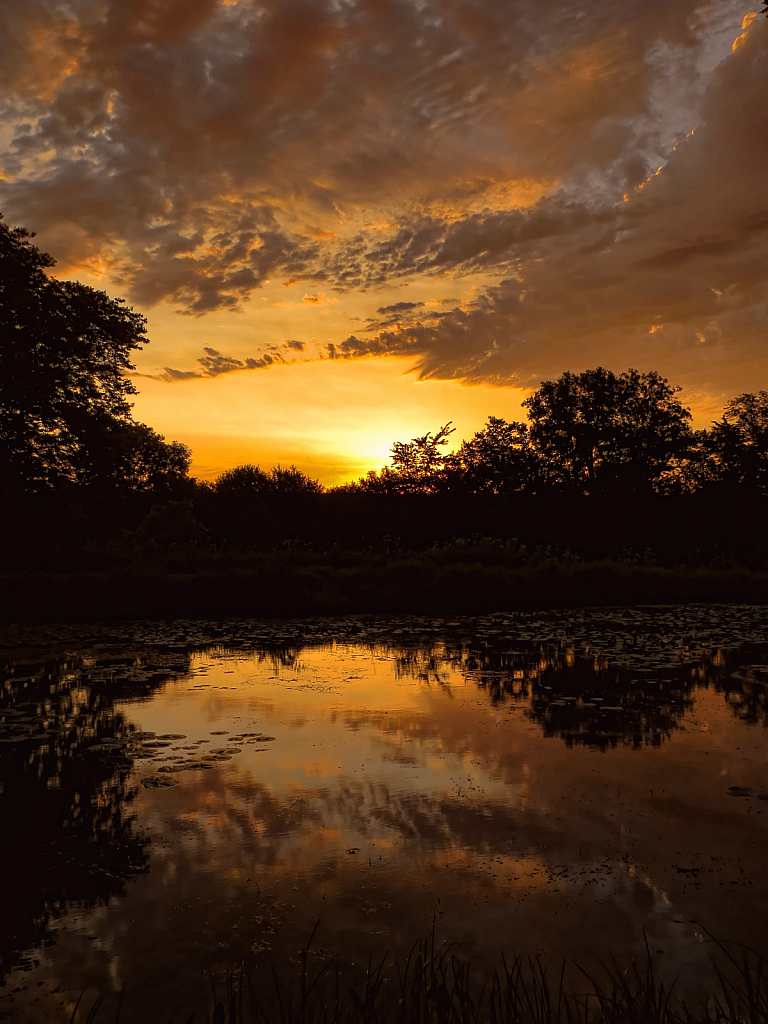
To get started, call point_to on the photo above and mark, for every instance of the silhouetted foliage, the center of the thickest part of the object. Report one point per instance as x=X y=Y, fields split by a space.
x=595 y=428
x=276 y=483
x=247 y=505
x=245 y=479
x=418 y=466
x=591 y=432
x=498 y=459
x=607 y=465
x=739 y=441
x=171 y=524
x=65 y=350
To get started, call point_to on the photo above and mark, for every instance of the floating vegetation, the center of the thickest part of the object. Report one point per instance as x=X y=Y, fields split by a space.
x=155 y=782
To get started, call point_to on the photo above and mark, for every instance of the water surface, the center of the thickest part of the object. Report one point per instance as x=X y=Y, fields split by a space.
x=181 y=797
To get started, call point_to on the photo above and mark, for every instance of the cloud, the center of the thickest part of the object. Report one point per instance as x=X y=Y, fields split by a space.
x=399 y=307
x=400 y=315
x=202 y=149
x=214 y=363
x=197 y=150
x=492 y=241
x=170 y=375
x=672 y=275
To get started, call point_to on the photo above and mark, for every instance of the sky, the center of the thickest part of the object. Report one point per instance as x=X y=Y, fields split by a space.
x=350 y=221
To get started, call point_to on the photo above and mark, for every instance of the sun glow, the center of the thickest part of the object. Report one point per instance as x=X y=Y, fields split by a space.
x=334 y=420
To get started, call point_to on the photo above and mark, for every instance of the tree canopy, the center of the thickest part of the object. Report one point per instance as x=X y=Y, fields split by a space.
x=740 y=441
x=417 y=464
x=65 y=352
x=587 y=432
x=597 y=427
x=250 y=480
x=498 y=459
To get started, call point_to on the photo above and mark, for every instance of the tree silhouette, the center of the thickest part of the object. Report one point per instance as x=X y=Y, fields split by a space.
x=597 y=428
x=740 y=441
x=246 y=479
x=277 y=482
x=65 y=351
x=417 y=465
x=498 y=459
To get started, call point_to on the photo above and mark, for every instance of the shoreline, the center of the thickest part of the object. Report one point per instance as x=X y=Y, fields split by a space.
x=410 y=585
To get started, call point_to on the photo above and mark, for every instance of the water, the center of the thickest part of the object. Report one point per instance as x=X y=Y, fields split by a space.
x=181 y=797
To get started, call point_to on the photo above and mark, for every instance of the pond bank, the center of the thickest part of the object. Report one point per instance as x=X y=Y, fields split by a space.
x=441 y=984
x=279 y=584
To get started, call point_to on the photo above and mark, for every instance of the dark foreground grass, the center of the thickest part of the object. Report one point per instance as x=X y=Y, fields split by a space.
x=436 y=985
x=456 y=579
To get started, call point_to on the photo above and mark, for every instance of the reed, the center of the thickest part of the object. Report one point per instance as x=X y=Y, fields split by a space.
x=438 y=984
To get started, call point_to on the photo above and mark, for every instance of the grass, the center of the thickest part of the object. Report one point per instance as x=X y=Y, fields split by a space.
x=437 y=985
x=470 y=578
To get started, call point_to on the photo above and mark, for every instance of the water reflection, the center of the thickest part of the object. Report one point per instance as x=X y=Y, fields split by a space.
x=580 y=699
x=508 y=773
x=587 y=698
x=69 y=837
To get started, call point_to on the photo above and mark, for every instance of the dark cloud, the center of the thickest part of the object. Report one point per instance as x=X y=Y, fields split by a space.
x=197 y=149
x=170 y=375
x=198 y=145
x=214 y=363
x=672 y=276
x=399 y=307
x=404 y=314
x=490 y=241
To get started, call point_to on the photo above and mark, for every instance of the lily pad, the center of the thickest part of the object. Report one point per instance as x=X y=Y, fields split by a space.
x=741 y=791
x=158 y=782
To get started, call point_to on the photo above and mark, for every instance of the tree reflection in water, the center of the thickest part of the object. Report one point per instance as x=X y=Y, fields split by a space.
x=586 y=698
x=597 y=679
x=69 y=837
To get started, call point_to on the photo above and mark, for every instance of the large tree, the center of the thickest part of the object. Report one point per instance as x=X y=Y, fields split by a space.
x=739 y=441
x=249 y=480
x=65 y=352
x=418 y=466
x=498 y=459
x=597 y=428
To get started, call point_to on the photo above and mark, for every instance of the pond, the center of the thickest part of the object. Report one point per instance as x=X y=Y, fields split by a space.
x=178 y=798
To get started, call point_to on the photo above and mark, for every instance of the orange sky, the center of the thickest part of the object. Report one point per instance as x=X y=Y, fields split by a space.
x=395 y=213
x=333 y=421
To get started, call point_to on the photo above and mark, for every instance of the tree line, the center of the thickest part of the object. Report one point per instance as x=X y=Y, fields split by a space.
x=595 y=432
x=77 y=469
x=65 y=417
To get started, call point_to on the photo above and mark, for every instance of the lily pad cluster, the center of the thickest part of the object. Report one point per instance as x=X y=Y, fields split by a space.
x=196 y=756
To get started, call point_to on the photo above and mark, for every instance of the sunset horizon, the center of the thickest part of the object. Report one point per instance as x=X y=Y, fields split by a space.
x=326 y=214
x=333 y=419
